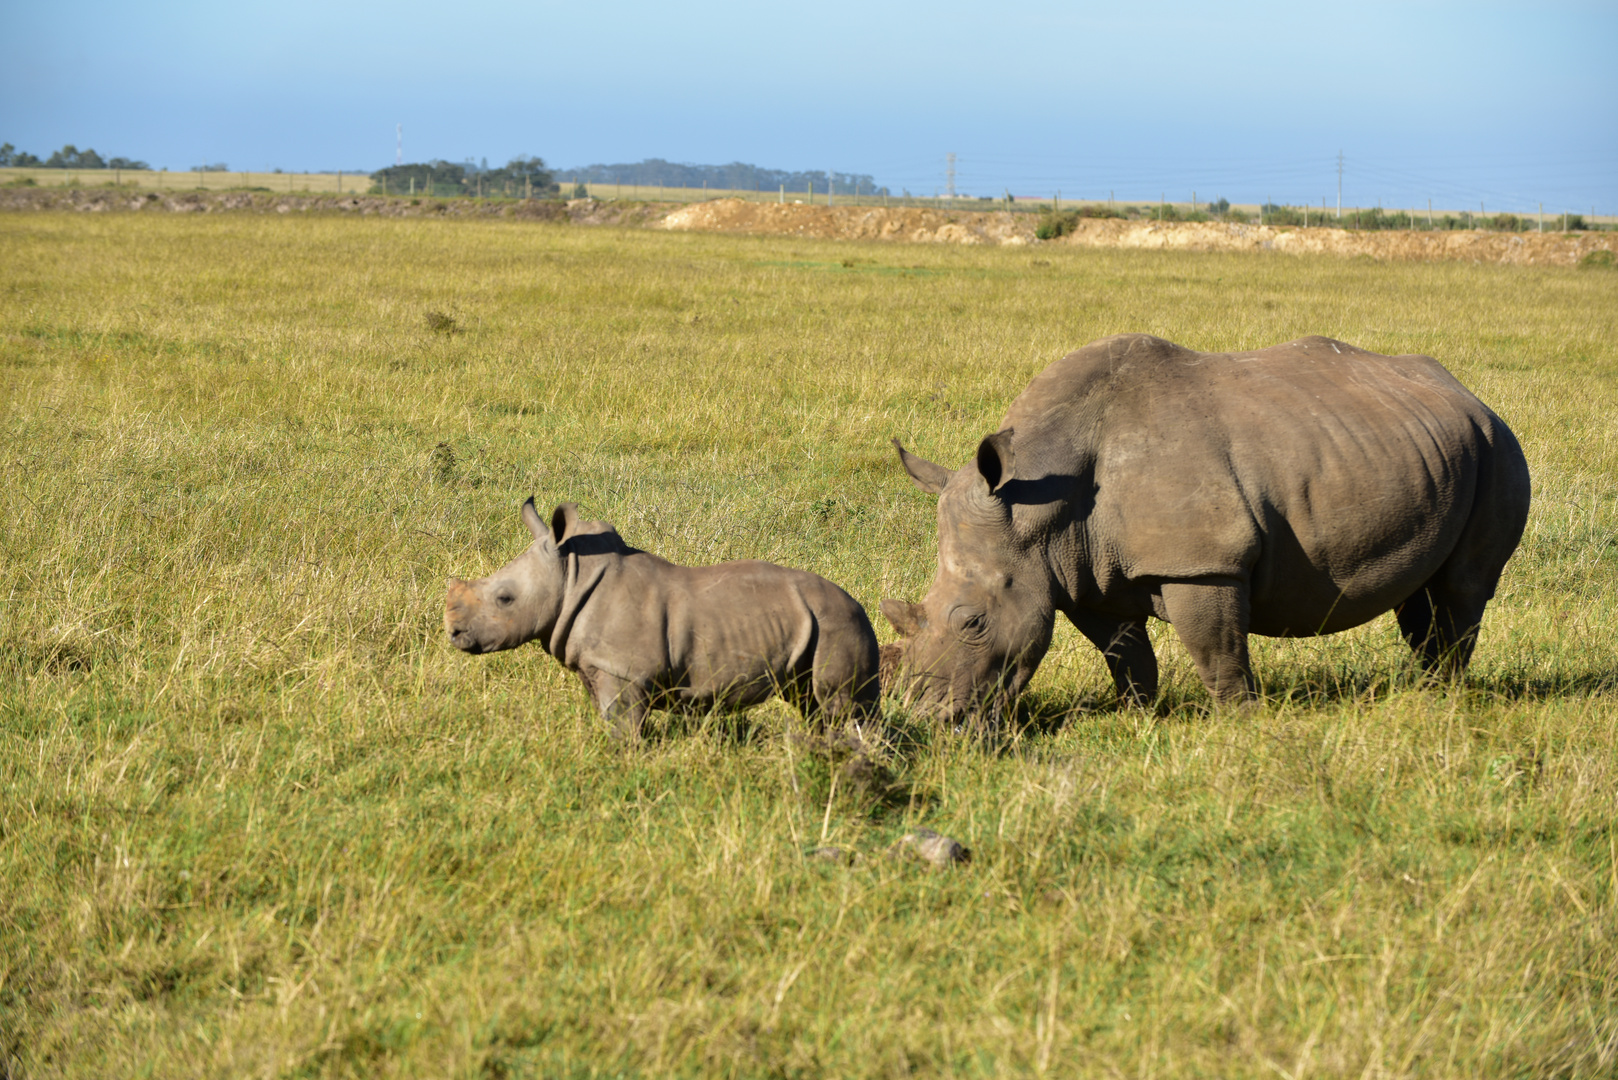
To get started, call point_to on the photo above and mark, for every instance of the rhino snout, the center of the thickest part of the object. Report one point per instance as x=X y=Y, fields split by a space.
x=464 y=640
x=459 y=604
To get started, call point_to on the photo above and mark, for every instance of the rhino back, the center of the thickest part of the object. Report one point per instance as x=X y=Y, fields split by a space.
x=1333 y=477
x=732 y=633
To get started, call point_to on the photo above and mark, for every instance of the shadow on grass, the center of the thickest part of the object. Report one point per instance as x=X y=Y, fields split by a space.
x=1319 y=686
x=1048 y=712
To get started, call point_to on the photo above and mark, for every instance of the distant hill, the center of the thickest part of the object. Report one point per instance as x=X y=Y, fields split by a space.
x=655 y=172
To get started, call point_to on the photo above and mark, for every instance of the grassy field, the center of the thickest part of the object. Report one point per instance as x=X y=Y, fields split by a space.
x=260 y=819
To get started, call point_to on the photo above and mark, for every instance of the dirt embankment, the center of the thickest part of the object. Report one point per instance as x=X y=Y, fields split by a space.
x=999 y=227
x=906 y=224
x=1469 y=245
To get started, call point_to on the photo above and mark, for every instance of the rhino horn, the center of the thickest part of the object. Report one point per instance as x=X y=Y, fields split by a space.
x=929 y=477
x=907 y=618
x=995 y=459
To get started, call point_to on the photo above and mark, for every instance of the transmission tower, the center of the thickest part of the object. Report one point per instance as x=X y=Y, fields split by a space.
x=1339 y=185
x=949 y=174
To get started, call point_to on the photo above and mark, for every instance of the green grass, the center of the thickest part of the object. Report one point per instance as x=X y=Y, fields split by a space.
x=259 y=818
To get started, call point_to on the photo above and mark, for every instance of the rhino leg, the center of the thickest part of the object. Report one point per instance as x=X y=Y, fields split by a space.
x=1211 y=617
x=623 y=704
x=1127 y=650
x=1440 y=622
x=845 y=687
x=843 y=681
x=1441 y=628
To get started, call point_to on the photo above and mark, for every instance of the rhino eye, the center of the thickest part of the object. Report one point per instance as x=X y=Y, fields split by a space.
x=505 y=599
x=969 y=624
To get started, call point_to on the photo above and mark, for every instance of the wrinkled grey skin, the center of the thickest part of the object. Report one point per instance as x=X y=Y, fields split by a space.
x=642 y=633
x=1297 y=490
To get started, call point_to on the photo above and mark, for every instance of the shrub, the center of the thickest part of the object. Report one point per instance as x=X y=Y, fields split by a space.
x=1056 y=223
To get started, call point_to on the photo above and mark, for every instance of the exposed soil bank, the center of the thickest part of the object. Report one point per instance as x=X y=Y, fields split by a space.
x=978 y=227
x=895 y=224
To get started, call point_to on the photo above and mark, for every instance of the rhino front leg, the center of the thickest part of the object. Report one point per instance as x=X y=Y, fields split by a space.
x=1211 y=617
x=1127 y=650
x=622 y=703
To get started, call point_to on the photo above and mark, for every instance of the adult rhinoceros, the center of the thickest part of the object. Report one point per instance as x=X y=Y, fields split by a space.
x=1297 y=490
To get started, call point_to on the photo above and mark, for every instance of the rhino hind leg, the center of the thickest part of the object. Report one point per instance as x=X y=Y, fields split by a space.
x=845 y=687
x=1128 y=653
x=1440 y=622
x=1441 y=627
x=1211 y=616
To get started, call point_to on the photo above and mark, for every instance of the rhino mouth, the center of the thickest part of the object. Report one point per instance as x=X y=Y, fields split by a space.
x=466 y=642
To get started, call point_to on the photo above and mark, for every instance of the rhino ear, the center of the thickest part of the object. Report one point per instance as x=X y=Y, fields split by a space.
x=995 y=459
x=530 y=518
x=564 y=521
x=927 y=476
x=907 y=618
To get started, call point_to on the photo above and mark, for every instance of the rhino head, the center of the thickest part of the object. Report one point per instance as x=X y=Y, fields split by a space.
x=976 y=639
x=520 y=601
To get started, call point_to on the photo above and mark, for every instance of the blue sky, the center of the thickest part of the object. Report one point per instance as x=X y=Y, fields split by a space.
x=1502 y=106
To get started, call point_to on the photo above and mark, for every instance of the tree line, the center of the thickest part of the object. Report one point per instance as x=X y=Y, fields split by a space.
x=68 y=157
x=737 y=176
x=521 y=176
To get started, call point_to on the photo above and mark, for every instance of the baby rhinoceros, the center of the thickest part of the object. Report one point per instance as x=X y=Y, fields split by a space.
x=642 y=633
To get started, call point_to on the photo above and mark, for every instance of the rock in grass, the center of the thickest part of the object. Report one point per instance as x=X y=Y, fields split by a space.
x=936 y=848
x=834 y=855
